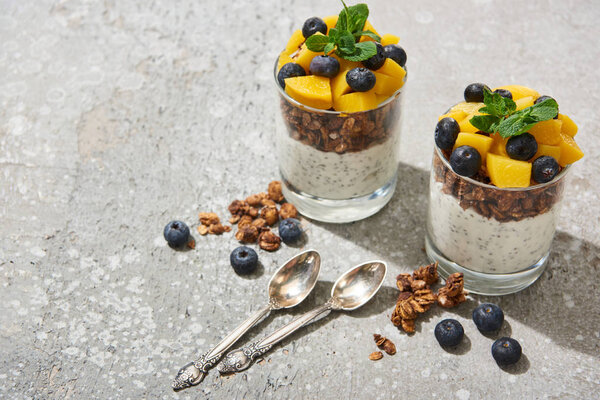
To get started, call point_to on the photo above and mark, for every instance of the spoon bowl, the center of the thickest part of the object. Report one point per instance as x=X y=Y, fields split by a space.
x=357 y=286
x=294 y=280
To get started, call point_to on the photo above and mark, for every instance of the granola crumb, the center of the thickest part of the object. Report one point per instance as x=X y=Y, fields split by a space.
x=270 y=214
x=269 y=241
x=288 y=210
x=191 y=243
x=247 y=234
x=275 y=192
x=202 y=229
x=453 y=293
x=385 y=344
x=376 y=355
x=209 y=218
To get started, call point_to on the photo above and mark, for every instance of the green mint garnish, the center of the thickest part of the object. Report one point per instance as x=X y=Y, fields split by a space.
x=346 y=34
x=501 y=115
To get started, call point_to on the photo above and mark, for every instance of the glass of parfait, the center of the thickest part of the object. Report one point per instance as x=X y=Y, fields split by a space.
x=338 y=138
x=494 y=202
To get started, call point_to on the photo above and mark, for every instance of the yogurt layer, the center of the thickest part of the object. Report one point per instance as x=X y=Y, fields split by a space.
x=483 y=244
x=336 y=176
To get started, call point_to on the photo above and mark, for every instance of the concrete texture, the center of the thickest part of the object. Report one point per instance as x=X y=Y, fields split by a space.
x=118 y=116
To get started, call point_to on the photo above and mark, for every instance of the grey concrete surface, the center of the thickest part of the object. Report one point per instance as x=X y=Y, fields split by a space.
x=118 y=116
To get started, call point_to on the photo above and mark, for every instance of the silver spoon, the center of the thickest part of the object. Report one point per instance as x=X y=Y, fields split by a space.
x=353 y=289
x=287 y=288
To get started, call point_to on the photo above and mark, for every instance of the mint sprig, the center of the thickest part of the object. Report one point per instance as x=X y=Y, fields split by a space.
x=501 y=115
x=346 y=34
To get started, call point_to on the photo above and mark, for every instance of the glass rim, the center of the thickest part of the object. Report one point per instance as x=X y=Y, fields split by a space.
x=556 y=179
x=295 y=102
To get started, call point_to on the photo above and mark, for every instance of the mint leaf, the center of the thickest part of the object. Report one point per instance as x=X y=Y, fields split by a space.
x=494 y=104
x=545 y=110
x=346 y=43
x=362 y=51
x=334 y=34
x=317 y=42
x=515 y=125
x=358 y=16
x=510 y=105
x=485 y=123
x=370 y=34
x=328 y=48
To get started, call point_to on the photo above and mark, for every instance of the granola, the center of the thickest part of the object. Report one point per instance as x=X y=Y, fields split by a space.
x=385 y=344
x=288 y=210
x=274 y=191
x=453 y=293
x=376 y=355
x=269 y=241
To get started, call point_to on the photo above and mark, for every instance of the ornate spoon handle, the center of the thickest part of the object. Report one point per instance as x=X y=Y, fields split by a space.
x=240 y=359
x=192 y=373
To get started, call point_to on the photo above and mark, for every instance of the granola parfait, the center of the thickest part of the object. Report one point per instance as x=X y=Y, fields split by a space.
x=497 y=182
x=340 y=86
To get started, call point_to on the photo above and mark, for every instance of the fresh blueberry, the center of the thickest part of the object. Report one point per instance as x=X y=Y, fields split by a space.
x=544 y=169
x=324 y=66
x=474 y=92
x=542 y=98
x=488 y=317
x=504 y=93
x=446 y=132
x=360 y=79
x=243 y=260
x=521 y=147
x=377 y=60
x=289 y=70
x=290 y=230
x=465 y=160
x=506 y=351
x=395 y=53
x=449 y=332
x=312 y=26
x=176 y=233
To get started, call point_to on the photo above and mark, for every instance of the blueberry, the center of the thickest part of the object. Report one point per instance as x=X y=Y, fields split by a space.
x=377 y=60
x=544 y=169
x=506 y=351
x=176 y=233
x=360 y=79
x=289 y=70
x=521 y=147
x=324 y=66
x=243 y=260
x=290 y=230
x=446 y=132
x=465 y=160
x=312 y=26
x=395 y=53
x=449 y=332
x=542 y=98
x=504 y=93
x=488 y=317
x=474 y=92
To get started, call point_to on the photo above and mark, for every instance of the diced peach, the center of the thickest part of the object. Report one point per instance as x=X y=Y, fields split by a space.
x=339 y=86
x=498 y=145
x=518 y=91
x=304 y=57
x=346 y=65
x=547 y=132
x=357 y=101
x=380 y=98
x=480 y=142
x=283 y=59
x=524 y=102
x=313 y=91
x=389 y=39
x=458 y=115
x=465 y=125
x=392 y=68
x=385 y=84
x=568 y=126
x=505 y=172
x=468 y=108
x=330 y=21
x=569 y=150
x=547 y=150
x=295 y=41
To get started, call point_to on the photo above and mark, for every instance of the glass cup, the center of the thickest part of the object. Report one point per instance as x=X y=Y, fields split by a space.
x=338 y=167
x=498 y=238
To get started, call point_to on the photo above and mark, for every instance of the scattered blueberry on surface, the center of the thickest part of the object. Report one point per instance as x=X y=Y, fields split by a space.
x=243 y=260
x=446 y=132
x=542 y=98
x=465 y=161
x=504 y=93
x=290 y=230
x=324 y=66
x=360 y=79
x=521 y=147
x=395 y=53
x=289 y=70
x=506 y=351
x=544 y=169
x=176 y=233
x=312 y=26
x=449 y=332
x=488 y=317
x=474 y=92
x=377 y=60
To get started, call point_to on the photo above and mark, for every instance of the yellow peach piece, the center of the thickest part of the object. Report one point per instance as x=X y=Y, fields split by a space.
x=388 y=38
x=295 y=41
x=385 y=84
x=458 y=115
x=339 y=86
x=481 y=143
x=569 y=150
x=283 y=59
x=465 y=125
x=392 y=68
x=547 y=132
x=330 y=21
x=505 y=172
x=380 y=98
x=547 y=150
x=568 y=126
x=368 y=27
x=346 y=65
x=468 y=108
x=304 y=57
x=313 y=91
x=498 y=145
x=524 y=102
x=357 y=101
x=518 y=91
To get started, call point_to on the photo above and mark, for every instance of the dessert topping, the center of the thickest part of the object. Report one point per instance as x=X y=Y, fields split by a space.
x=376 y=355
x=385 y=344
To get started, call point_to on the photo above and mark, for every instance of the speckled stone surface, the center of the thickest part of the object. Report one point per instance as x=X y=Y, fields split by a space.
x=118 y=116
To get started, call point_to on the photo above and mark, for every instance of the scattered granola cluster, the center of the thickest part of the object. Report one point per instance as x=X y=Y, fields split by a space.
x=384 y=344
x=416 y=296
x=211 y=224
